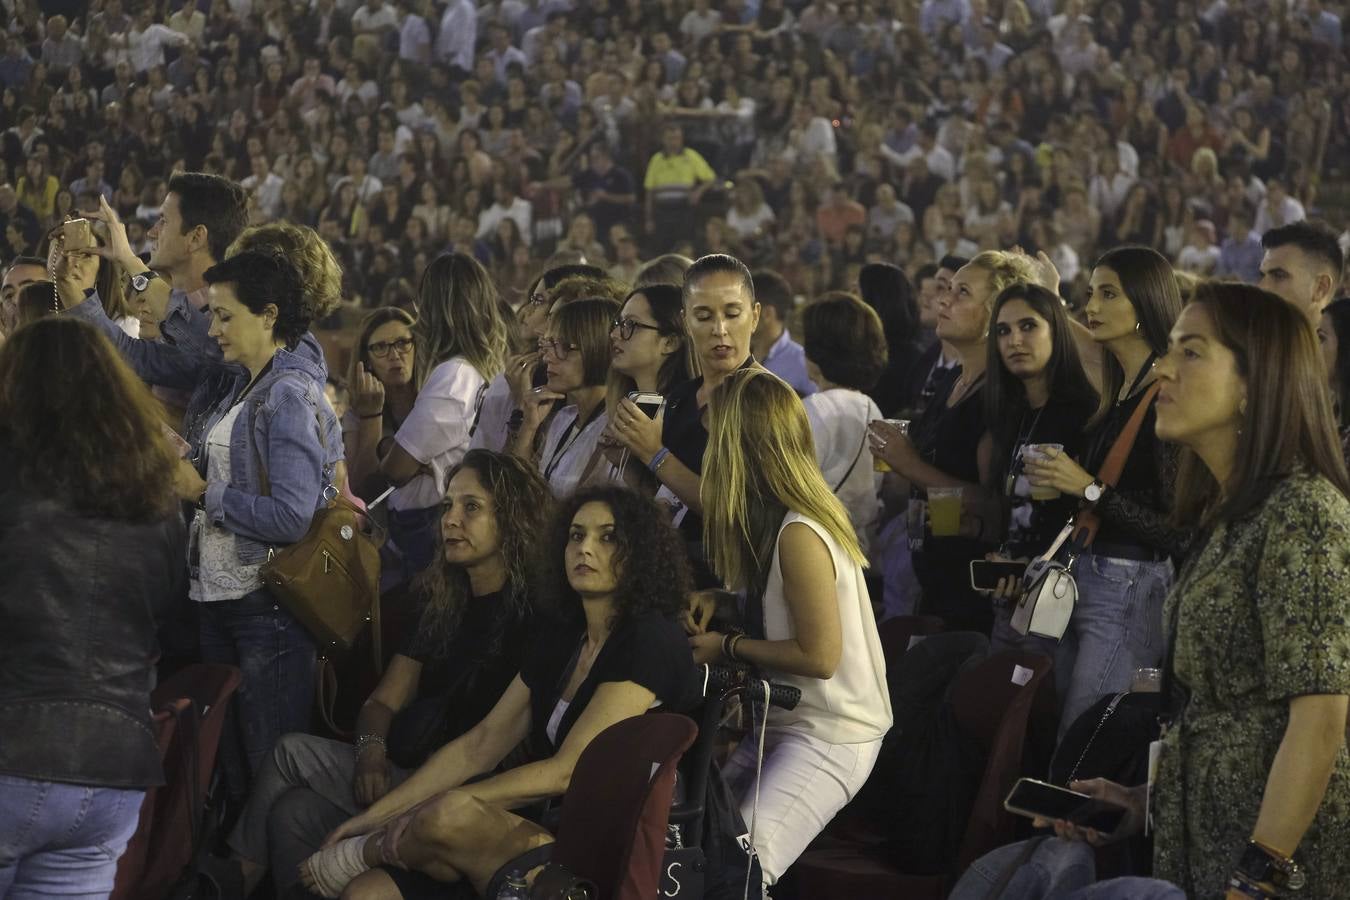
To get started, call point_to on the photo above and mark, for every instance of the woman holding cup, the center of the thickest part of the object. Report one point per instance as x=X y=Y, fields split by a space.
x=1124 y=577
x=1037 y=402
x=946 y=455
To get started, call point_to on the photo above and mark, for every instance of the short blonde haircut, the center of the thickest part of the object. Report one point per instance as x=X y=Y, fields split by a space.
x=1004 y=270
x=320 y=273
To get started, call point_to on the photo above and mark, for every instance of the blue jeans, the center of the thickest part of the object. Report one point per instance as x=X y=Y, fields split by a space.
x=1116 y=628
x=62 y=839
x=1055 y=870
x=276 y=696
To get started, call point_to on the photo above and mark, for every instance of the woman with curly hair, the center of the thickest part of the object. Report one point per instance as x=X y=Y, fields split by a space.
x=460 y=341
x=614 y=570
x=773 y=528
x=468 y=645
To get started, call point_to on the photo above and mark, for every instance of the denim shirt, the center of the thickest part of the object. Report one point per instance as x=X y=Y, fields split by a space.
x=286 y=417
x=187 y=327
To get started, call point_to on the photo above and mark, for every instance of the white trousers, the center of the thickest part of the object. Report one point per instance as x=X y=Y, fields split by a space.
x=805 y=782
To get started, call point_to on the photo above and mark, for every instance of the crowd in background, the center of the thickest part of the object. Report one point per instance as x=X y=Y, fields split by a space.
x=819 y=304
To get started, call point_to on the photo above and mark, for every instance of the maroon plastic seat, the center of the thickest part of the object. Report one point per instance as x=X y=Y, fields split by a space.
x=613 y=824
x=131 y=864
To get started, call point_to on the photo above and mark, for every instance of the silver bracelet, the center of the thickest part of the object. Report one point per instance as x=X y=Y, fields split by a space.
x=366 y=740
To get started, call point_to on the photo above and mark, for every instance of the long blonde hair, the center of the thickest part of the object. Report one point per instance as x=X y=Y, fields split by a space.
x=761 y=465
x=458 y=315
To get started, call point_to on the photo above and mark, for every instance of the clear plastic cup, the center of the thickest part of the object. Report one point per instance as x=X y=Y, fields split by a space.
x=944 y=511
x=879 y=464
x=1039 y=452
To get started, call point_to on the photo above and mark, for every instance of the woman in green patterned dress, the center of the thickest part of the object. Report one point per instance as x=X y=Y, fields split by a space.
x=1253 y=790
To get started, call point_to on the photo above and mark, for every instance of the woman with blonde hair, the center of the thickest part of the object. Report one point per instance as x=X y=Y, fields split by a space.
x=773 y=527
x=947 y=446
x=460 y=344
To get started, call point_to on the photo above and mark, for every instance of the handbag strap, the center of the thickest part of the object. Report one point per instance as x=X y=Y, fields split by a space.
x=1087 y=520
x=853 y=465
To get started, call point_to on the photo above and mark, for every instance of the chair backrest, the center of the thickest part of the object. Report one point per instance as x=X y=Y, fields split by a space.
x=176 y=834
x=613 y=825
x=897 y=631
x=993 y=703
x=131 y=864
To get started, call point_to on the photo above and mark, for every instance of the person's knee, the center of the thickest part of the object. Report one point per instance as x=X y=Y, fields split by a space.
x=289 y=754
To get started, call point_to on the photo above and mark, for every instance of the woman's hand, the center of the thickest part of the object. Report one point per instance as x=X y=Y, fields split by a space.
x=372 y=775
x=538 y=404
x=706 y=647
x=520 y=375
x=187 y=484
x=893 y=446
x=1057 y=470
x=1133 y=799
x=76 y=272
x=367 y=394
x=702 y=608
x=641 y=435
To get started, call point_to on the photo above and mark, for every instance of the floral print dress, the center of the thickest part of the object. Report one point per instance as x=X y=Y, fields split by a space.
x=1260 y=615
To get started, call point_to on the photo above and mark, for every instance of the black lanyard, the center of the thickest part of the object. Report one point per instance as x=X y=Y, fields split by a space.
x=574 y=432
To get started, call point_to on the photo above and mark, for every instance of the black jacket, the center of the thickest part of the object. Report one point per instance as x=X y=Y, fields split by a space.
x=79 y=599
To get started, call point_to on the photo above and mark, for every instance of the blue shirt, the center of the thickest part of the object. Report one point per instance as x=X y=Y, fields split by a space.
x=787 y=360
x=1241 y=259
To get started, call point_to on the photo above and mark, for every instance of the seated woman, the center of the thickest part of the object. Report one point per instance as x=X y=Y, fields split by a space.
x=773 y=527
x=616 y=573
x=91 y=549
x=468 y=645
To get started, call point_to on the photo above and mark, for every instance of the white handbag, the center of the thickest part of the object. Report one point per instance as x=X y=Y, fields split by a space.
x=1049 y=595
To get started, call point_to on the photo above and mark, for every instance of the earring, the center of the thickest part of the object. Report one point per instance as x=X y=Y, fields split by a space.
x=1138 y=326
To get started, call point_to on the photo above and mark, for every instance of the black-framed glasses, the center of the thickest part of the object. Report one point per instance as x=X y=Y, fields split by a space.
x=381 y=349
x=626 y=327
x=538 y=298
x=558 y=348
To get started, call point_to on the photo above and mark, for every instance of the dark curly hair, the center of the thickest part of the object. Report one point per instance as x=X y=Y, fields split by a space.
x=261 y=279
x=653 y=568
x=521 y=501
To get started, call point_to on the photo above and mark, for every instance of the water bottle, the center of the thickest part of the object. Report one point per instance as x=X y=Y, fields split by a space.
x=515 y=887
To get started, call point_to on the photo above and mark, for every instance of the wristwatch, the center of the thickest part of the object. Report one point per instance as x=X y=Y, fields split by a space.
x=1261 y=866
x=1093 y=492
x=141 y=281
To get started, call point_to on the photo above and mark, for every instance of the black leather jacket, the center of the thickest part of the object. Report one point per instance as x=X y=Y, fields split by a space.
x=79 y=599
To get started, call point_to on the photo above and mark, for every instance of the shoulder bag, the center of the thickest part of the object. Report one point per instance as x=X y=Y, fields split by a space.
x=1050 y=592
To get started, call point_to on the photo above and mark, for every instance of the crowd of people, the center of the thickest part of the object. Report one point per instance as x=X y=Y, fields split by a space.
x=658 y=300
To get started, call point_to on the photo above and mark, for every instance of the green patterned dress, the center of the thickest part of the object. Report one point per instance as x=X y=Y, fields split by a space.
x=1262 y=615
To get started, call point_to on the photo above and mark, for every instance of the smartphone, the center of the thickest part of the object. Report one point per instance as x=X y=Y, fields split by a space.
x=647 y=401
x=1033 y=799
x=985 y=575
x=78 y=234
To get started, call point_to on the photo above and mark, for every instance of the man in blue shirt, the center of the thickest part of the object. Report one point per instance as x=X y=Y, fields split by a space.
x=1240 y=253
x=771 y=344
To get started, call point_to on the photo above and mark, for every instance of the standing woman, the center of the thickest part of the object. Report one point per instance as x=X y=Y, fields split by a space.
x=91 y=549
x=649 y=348
x=888 y=290
x=263 y=470
x=1038 y=393
x=776 y=530
x=721 y=314
x=1116 y=628
x=460 y=343
x=576 y=354
x=845 y=355
x=1332 y=333
x=947 y=446
x=383 y=392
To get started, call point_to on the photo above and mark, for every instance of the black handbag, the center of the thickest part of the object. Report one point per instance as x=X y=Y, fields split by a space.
x=557 y=882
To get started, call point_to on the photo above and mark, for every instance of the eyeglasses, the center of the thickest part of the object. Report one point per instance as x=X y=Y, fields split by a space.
x=558 y=348
x=538 y=299
x=628 y=326
x=382 y=348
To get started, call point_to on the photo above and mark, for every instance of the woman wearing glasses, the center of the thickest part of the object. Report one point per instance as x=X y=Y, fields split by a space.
x=460 y=344
x=649 y=352
x=576 y=353
x=383 y=392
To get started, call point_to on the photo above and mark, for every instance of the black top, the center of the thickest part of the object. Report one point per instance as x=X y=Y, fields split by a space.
x=649 y=650
x=1033 y=524
x=898 y=387
x=466 y=670
x=1136 y=512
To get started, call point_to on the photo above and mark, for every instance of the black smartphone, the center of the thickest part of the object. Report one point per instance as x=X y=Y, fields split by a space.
x=647 y=401
x=985 y=575
x=1032 y=798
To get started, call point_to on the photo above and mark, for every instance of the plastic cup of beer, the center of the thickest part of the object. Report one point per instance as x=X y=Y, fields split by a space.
x=1040 y=452
x=879 y=464
x=944 y=511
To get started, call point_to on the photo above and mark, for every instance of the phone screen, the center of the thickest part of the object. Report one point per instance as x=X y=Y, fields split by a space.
x=985 y=575
x=1036 y=798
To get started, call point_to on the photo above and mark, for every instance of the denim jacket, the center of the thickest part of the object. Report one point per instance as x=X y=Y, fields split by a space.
x=285 y=444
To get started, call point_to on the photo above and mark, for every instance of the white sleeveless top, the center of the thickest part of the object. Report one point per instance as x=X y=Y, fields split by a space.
x=854 y=706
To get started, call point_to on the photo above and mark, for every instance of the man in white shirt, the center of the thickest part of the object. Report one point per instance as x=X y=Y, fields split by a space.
x=375 y=17
x=502 y=54
x=1278 y=208
x=414 y=35
x=146 y=40
x=459 y=30
x=264 y=186
x=509 y=205
x=939 y=159
x=551 y=32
